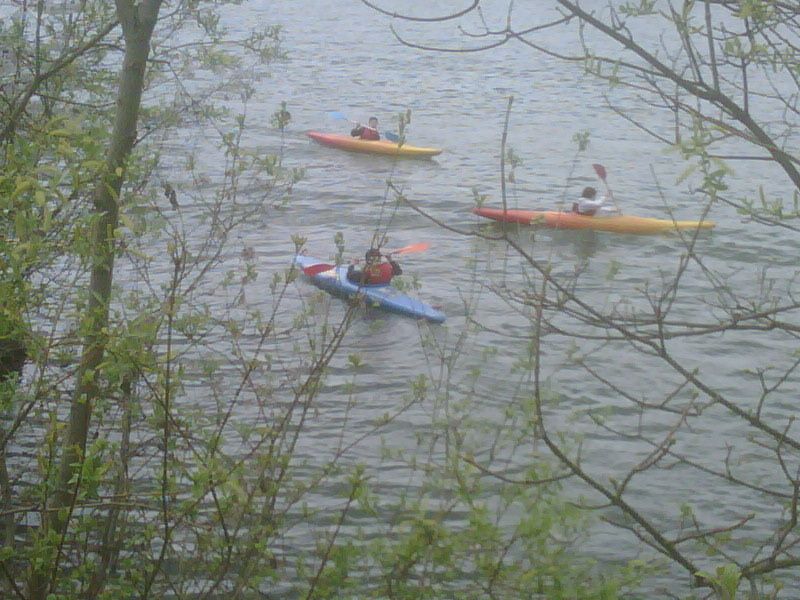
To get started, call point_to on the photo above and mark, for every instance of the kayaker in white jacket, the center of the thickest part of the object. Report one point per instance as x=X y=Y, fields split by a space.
x=592 y=206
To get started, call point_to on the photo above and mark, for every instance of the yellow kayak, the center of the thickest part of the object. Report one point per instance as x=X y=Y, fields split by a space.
x=570 y=220
x=351 y=144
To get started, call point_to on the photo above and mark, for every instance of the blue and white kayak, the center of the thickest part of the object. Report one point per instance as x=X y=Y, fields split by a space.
x=386 y=297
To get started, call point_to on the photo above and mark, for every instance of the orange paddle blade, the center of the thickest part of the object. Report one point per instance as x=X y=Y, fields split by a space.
x=418 y=247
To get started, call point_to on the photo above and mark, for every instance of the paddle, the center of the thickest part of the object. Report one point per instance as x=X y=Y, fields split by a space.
x=335 y=114
x=317 y=269
x=418 y=247
x=322 y=267
x=601 y=173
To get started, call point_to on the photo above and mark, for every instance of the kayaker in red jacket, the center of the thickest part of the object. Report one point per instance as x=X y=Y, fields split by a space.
x=367 y=133
x=374 y=272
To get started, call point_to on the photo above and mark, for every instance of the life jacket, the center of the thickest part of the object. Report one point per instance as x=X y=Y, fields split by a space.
x=585 y=211
x=369 y=134
x=378 y=274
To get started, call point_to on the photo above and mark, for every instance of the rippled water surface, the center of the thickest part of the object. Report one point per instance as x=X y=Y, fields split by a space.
x=342 y=57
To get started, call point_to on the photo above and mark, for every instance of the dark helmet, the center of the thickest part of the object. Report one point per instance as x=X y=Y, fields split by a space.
x=588 y=192
x=372 y=254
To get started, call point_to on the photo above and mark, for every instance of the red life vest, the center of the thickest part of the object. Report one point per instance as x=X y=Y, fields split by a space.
x=369 y=134
x=378 y=274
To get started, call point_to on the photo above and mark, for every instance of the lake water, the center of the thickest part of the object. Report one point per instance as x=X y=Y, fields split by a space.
x=342 y=57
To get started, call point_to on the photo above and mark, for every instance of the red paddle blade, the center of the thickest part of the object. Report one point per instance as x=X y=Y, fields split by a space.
x=419 y=247
x=317 y=269
x=600 y=170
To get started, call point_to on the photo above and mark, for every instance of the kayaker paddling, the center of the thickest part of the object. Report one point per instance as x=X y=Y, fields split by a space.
x=590 y=205
x=333 y=279
x=370 y=132
x=375 y=272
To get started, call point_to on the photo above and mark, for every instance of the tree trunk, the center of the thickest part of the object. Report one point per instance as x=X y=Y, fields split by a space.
x=13 y=354
x=138 y=22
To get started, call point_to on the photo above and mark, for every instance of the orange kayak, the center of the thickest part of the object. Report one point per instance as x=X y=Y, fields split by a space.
x=351 y=144
x=570 y=220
